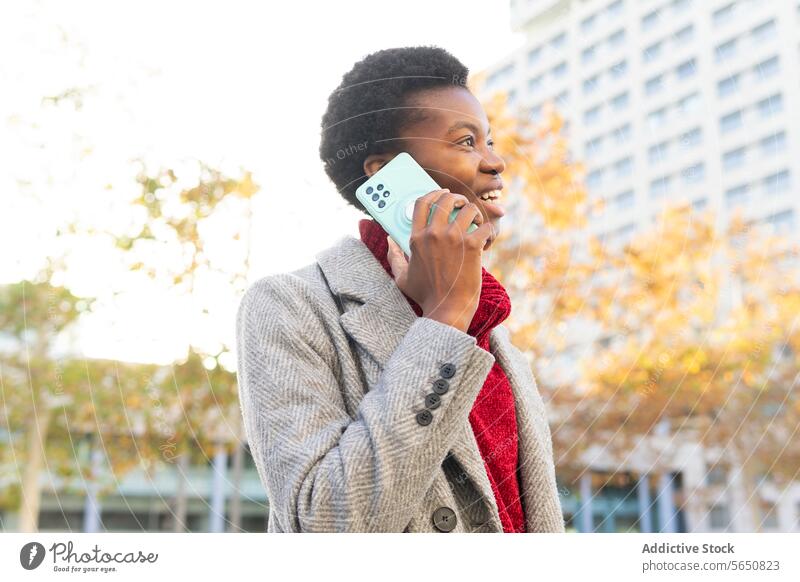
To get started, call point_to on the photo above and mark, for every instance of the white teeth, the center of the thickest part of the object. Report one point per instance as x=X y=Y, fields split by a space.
x=491 y=195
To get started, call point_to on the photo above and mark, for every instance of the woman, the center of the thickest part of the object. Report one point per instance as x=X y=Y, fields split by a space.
x=379 y=392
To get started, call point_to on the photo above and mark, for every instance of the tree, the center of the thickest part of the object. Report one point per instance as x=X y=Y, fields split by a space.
x=180 y=213
x=49 y=396
x=661 y=339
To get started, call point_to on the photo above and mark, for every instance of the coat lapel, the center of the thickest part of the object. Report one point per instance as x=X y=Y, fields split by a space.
x=537 y=479
x=376 y=315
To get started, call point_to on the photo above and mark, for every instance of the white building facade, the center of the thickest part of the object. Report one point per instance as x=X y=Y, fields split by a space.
x=667 y=100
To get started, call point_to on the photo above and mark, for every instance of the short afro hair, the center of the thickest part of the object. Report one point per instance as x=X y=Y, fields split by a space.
x=365 y=112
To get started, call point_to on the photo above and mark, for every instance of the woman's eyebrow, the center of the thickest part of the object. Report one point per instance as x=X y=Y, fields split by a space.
x=469 y=125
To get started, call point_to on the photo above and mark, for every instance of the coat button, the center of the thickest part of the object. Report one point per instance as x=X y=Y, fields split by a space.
x=447 y=371
x=433 y=400
x=441 y=386
x=444 y=519
x=424 y=417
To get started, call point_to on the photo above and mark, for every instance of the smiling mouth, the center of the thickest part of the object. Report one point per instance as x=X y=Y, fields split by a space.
x=491 y=205
x=491 y=195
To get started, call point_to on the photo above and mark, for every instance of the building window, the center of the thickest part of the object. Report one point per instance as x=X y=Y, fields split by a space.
x=770 y=106
x=534 y=54
x=723 y=14
x=559 y=40
x=691 y=138
x=657 y=118
x=624 y=233
x=591 y=84
x=588 y=23
x=592 y=115
x=685 y=34
x=728 y=85
x=620 y=102
x=716 y=475
x=617 y=38
x=654 y=85
x=561 y=99
x=726 y=50
x=623 y=133
x=770 y=520
x=731 y=121
x=623 y=167
x=652 y=52
x=659 y=186
x=772 y=144
x=588 y=54
x=766 y=69
x=694 y=173
x=535 y=112
x=764 y=32
x=719 y=516
x=594 y=178
x=535 y=83
x=619 y=69
x=782 y=222
x=658 y=152
x=623 y=201
x=689 y=104
x=681 y=5
x=734 y=158
x=511 y=97
x=650 y=19
x=700 y=203
x=615 y=8
x=619 y=236
x=560 y=70
x=686 y=69
x=594 y=146
x=776 y=183
x=737 y=195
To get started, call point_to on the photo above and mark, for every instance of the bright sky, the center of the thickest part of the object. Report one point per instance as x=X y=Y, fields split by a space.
x=234 y=84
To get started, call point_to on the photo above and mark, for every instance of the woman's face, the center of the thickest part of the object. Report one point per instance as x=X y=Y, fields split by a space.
x=453 y=143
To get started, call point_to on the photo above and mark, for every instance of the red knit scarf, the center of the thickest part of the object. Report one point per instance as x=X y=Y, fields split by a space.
x=493 y=416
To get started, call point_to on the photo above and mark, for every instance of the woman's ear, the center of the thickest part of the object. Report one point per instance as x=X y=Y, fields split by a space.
x=375 y=162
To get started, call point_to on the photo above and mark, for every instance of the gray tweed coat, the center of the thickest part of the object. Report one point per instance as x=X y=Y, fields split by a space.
x=334 y=368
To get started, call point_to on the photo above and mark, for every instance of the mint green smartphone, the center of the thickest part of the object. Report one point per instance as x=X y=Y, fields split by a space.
x=389 y=197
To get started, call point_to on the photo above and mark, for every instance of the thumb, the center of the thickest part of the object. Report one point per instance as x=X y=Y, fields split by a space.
x=396 y=257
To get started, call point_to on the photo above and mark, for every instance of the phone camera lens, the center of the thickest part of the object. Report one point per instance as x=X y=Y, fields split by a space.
x=369 y=189
x=381 y=204
x=380 y=187
x=386 y=194
x=376 y=196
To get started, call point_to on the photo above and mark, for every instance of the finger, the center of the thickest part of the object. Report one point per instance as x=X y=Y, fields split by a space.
x=483 y=233
x=444 y=206
x=468 y=214
x=396 y=257
x=422 y=208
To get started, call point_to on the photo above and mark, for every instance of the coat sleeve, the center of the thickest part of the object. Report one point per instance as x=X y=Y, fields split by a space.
x=323 y=470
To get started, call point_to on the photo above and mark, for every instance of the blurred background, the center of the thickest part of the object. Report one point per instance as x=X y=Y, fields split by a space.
x=160 y=157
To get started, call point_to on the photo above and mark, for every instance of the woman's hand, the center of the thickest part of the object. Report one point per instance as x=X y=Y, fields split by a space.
x=443 y=275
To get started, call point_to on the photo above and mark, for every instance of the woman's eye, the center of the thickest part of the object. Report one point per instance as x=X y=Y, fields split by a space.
x=470 y=141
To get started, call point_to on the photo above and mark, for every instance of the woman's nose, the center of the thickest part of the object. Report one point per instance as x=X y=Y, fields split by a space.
x=494 y=163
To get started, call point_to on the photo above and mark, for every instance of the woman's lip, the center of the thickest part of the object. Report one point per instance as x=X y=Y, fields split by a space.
x=493 y=208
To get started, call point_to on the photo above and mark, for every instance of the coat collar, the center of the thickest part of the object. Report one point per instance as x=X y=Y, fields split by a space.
x=378 y=317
